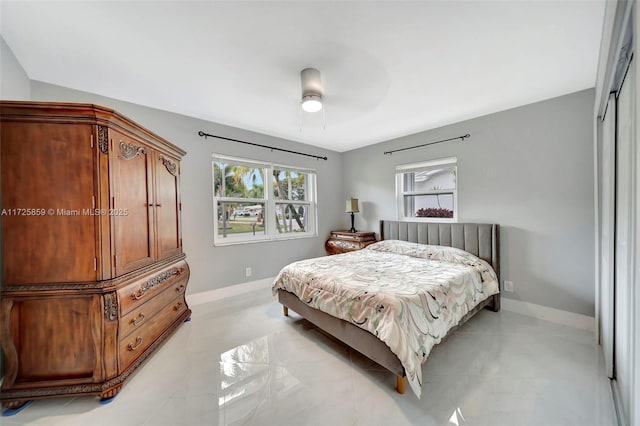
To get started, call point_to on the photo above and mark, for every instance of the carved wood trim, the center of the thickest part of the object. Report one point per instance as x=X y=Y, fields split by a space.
x=164 y=276
x=158 y=279
x=103 y=139
x=111 y=306
x=51 y=287
x=130 y=150
x=93 y=285
x=170 y=166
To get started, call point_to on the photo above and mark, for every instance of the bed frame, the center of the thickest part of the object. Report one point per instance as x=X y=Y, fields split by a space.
x=481 y=240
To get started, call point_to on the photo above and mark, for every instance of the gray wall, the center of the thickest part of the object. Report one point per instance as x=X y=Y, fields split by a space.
x=529 y=169
x=14 y=82
x=216 y=267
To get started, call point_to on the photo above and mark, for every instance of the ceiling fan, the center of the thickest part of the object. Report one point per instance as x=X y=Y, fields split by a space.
x=312 y=90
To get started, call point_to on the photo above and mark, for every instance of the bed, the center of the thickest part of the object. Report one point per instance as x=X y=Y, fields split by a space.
x=397 y=298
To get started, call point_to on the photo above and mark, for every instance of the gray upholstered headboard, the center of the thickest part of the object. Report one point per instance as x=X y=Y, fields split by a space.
x=480 y=239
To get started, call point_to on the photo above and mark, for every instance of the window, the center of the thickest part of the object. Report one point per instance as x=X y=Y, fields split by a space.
x=256 y=201
x=428 y=191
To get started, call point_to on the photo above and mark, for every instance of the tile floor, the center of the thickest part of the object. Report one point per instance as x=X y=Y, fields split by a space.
x=240 y=362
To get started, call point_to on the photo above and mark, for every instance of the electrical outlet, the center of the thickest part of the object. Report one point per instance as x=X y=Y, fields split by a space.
x=247 y=272
x=508 y=286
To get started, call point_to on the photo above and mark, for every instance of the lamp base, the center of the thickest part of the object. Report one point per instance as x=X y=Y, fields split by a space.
x=353 y=229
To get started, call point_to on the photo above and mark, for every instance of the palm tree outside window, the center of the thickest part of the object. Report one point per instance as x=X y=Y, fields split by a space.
x=256 y=201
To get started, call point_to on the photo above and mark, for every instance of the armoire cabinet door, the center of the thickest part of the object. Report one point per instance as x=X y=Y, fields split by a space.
x=57 y=338
x=132 y=204
x=167 y=203
x=47 y=192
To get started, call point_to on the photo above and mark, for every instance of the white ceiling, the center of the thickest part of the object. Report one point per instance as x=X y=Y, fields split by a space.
x=390 y=68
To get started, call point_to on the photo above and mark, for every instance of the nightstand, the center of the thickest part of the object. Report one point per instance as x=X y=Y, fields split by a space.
x=345 y=241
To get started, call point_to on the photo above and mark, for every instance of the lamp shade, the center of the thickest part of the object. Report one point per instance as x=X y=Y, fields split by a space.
x=352 y=206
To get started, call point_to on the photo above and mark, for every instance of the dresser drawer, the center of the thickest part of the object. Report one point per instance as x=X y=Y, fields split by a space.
x=344 y=241
x=341 y=246
x=143 y=314
x=133 y=345
x=140 y=291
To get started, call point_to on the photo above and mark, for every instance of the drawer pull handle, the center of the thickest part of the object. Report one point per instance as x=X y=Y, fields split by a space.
x=180 y=288
x=177 y=306
x=138 y=320
x=138 y=294
x=133 y=347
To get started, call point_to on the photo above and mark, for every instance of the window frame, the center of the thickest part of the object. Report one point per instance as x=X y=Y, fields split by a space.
x=269 y=200
x=401 y=193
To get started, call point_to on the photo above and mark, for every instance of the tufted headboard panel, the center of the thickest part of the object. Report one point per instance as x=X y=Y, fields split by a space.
x=479 y=239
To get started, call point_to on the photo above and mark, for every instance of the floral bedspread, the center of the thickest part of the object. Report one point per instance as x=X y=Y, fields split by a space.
x=408 y=295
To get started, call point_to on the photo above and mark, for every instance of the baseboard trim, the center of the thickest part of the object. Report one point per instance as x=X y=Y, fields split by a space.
x=571 y=319
x=230 y=291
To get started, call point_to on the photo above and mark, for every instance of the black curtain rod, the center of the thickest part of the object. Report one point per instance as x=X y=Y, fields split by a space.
x=430 y=143
x=272 y=148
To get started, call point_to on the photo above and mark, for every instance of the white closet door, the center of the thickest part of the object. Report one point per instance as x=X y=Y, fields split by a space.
x=624 y=239
x=607 y=237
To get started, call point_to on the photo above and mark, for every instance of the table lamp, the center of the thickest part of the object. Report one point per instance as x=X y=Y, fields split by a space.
x=352 y=207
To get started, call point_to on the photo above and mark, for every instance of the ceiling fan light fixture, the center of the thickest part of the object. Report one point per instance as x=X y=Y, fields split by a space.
x=311 y=90
x=311 y=103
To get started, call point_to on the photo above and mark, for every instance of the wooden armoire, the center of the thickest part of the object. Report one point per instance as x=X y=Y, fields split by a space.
x=93 y=273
